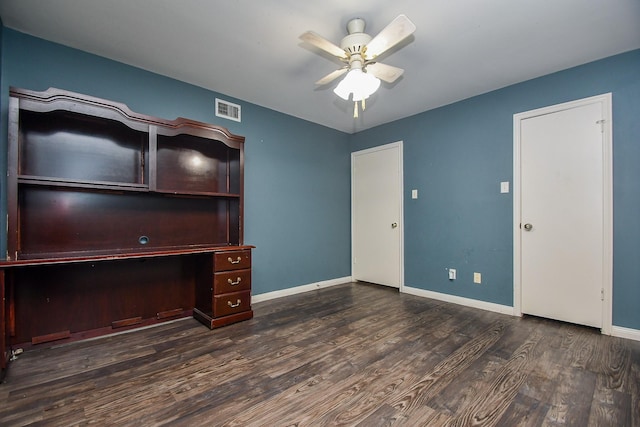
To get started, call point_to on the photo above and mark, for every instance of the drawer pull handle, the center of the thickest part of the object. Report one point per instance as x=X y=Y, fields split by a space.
x=237 y=282
x=232 y=305
x=237 y=261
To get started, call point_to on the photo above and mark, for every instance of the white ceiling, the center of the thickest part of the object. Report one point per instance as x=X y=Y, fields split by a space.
x=249 y=49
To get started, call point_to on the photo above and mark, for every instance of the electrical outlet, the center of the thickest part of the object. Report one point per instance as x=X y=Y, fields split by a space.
x=477 y=278
x=452 y=274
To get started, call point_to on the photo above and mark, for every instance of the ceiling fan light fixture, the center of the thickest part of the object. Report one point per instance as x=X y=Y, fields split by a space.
x=357 y=83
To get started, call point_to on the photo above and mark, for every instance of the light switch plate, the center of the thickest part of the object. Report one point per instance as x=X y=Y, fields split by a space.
x=414 y=194
x=504 y=187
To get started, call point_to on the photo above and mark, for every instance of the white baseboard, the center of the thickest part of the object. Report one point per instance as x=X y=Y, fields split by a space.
x=299 y=289
x=628 y=333
x=467 y=302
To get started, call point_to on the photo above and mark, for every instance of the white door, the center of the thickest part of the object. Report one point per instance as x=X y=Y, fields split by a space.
x=563 y=212
x=376 y=216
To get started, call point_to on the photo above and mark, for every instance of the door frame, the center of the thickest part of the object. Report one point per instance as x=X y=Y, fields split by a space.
x=398 y=145
x=607 y=200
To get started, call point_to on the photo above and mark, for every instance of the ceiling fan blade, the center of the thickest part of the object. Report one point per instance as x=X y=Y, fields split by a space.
x=332 y=76
x=323 y=44
x=387 y=73
x=398 y=30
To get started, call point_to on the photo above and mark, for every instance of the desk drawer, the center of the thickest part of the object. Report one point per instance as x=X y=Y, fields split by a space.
x=231 y=281
x=235 y=302
x=232 y=260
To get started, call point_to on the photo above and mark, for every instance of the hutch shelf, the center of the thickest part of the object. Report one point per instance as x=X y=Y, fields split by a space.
x=117 y=220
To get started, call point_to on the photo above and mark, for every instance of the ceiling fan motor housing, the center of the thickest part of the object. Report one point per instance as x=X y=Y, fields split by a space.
x=357 y=40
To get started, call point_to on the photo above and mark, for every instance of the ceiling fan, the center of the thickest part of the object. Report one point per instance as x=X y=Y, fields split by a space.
x=359 y=51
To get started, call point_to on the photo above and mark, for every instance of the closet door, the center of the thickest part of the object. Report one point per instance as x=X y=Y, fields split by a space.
x=563 y=227
x=377 y=215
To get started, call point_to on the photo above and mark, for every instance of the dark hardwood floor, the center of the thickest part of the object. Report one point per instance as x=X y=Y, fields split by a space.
x=354 y=354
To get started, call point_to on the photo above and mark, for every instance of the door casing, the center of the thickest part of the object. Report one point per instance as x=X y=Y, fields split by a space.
x=607 y=250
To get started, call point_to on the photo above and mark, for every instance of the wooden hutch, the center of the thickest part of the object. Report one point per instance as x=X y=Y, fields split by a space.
x=117 y=220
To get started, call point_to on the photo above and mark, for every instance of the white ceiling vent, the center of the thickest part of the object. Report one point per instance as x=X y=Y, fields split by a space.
x=228 y=110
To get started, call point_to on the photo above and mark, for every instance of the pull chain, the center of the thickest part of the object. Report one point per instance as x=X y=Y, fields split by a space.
x=355 y=108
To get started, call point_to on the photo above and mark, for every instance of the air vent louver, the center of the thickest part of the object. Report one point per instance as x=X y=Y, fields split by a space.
x=228 y=110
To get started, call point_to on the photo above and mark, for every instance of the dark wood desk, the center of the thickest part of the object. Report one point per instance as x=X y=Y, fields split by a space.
x=118 y=220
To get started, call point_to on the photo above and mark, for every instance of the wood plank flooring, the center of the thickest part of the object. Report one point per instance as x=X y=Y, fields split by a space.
x=354 y=354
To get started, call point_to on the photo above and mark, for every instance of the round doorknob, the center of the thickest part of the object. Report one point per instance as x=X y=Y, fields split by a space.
x=394 y=225
x=528 y=227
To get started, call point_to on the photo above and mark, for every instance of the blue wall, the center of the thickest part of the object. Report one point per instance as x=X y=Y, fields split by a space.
x=457 y=155
x=297 y=177
x=1 y=58
x=297 y=185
